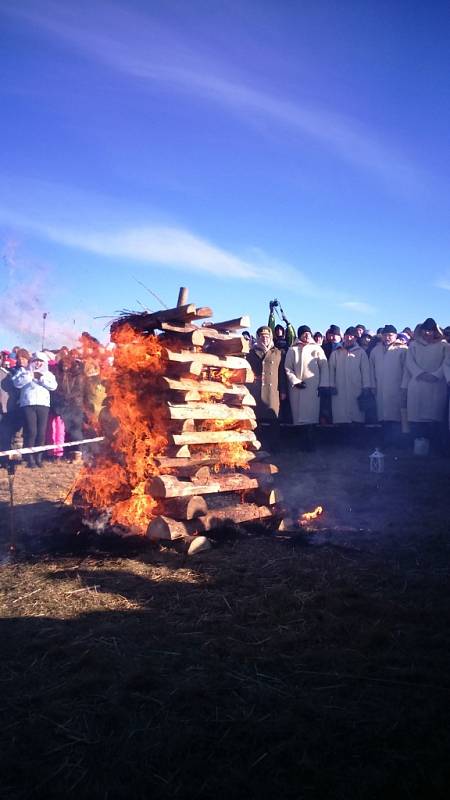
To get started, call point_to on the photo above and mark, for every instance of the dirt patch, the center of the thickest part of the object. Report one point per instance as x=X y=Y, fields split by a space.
x=315 y=666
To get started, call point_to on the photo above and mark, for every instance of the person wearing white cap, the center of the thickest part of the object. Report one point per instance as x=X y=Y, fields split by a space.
x=35 y=383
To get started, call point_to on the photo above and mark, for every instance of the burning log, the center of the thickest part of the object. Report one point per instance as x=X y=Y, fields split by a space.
x=204 y=387
x=178 y=426
x=215 y=437
x=167 y=464
x=193 y=337
x=186 y=369
x=209 y=411
x=169 y=485
x=207 y=359
x=186 y=507
x=163 y=527
x=145 y=321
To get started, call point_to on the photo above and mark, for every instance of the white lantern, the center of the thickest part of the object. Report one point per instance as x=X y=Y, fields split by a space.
x=376 y=460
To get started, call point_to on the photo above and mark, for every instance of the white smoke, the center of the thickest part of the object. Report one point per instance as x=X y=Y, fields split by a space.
x=24 y=300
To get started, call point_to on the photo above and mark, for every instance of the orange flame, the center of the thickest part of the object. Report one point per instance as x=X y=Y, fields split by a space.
x=117 y=481
x=310 y=515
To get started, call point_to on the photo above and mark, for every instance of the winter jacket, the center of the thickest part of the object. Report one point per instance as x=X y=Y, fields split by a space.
x=269 y=383
x=307 y=365
x=34 y=391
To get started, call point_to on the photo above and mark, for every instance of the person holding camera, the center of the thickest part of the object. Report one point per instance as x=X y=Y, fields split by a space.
x=35 y=382
x=283 y=338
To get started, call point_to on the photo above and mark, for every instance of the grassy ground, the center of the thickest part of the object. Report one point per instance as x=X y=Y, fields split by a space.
x=307 y=667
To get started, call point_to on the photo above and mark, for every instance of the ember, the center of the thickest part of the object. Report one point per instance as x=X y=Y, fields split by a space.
x=310 y=515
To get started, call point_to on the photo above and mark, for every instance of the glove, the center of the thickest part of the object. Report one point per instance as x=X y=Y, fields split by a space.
x=301 y=385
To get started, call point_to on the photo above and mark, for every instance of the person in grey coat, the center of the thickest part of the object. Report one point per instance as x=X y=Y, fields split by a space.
x=268 y=387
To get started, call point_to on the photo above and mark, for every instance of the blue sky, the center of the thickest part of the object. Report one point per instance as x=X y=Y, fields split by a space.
x=247 y=150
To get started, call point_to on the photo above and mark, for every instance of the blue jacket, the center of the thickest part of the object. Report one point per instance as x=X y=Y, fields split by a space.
x=34 y=391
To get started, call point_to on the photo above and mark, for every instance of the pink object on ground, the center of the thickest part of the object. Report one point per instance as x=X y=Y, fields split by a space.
x=56 y=431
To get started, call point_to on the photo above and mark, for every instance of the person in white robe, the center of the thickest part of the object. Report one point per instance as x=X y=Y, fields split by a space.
x=387 y=364
x=307 y=374
x=425 y=383
x=349 y=380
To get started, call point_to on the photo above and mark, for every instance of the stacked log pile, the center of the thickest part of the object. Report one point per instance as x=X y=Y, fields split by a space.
x=209 y=410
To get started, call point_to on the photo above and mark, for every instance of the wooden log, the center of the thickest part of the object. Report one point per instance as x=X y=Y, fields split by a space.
x=230 y=377
x=183 y=294
x=178 y=426
x=148 y=321
x=209 y=411
x=190 y=337
x=185 y=507
x=209 y=333
x=201 y=475
x=203 y=387
x=176 y=452
x=212 y=437
x=196 y=395
x=266 y=495
x=230 y=346
x=232 y=324
x=168 y=464
x=261 y=468
x=164 y=527
x=208 y=359
x=179 y=370
x=170 y=486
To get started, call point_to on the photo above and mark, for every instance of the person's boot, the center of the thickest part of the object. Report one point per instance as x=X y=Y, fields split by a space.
x=30 y=461
x=38 y=459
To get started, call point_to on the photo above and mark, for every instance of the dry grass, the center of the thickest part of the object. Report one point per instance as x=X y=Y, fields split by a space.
x=310 y=668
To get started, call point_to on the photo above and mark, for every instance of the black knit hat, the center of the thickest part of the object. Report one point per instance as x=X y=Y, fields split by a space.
x=303 y=329
x=334 y=329
x=351 y=331
x=389 y=329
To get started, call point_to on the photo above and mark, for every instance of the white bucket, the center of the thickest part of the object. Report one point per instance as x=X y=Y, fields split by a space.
x=421 y=446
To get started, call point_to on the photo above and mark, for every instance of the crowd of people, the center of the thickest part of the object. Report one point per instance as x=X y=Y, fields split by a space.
x=50 y=397
x=356 y=378
x=352 y=379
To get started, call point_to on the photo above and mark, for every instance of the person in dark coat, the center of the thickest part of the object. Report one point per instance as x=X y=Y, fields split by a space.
x=269 y=387
x=10 y=419
x=333 y=340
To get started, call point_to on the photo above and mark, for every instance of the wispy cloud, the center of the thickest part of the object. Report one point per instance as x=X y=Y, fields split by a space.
x=62 y=215
x=138 y=46
x=443 y=283
x=358 y=305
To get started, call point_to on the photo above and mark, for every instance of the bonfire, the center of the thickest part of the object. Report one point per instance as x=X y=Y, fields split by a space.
x=179 y=427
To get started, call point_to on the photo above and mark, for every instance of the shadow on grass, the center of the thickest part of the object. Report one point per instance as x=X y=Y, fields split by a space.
x=254 y=678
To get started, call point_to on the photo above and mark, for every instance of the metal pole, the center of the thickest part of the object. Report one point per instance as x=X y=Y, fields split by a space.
x=44 y=317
